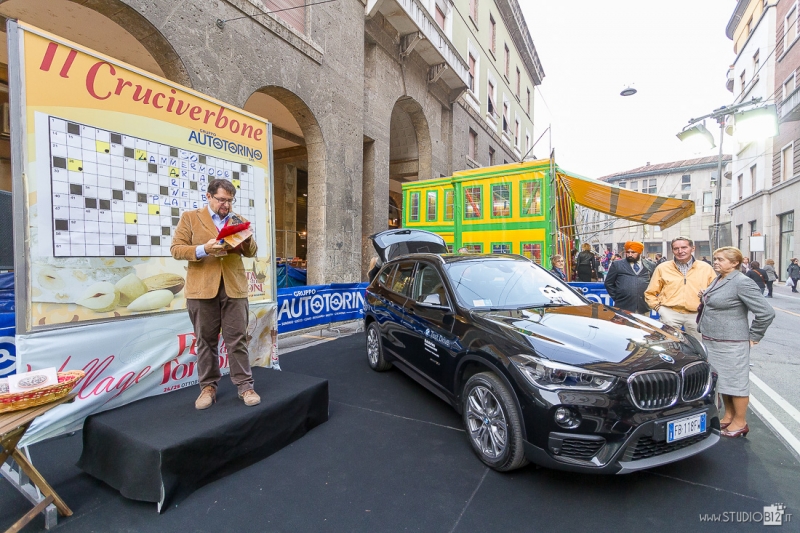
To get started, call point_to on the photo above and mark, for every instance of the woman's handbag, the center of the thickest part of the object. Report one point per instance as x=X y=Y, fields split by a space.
x=699 y=312
x=790 y=282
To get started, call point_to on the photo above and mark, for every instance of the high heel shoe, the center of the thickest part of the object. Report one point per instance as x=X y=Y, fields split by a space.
x=724 y=425
x=738 y=433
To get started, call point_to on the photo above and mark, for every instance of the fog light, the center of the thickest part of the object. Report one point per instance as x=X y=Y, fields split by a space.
x=566 y=418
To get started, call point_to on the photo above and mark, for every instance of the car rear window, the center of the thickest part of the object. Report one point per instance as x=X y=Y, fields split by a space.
x=401 y=281
x=385 y=275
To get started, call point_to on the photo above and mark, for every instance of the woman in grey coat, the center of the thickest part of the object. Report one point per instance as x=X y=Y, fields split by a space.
x=728 y=336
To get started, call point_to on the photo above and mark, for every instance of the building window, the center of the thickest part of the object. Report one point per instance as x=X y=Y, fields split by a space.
x=474 y=248
x=686 y=182
x=473 y=10
x=528 y=106
x=531 y=198
x=684 y=196
x=788 y=86
x=708 y=201
x=739 y=236
x=787 y=163
x=472 y=202
x=527 y=143
x=517 y=134
x=787 y=241
x=533 y=251
x=439 y=17
x=449 y=205
x=635 y=186
x=501 y=247
x=748 y=28
x=519 y=82
x=490 y=107
x=739 y=185
x=501 y=200
x=508 y=61
x=790 y=28
x=491 y=156
x=493 y=34
x=293 y=12
x=742 y=80
x=752 y=224
x=472 y=148
x=505 y=117
x=471 y=75
x=653 y=187
x=430 y=216
x=623 y=185
x=755 y=64
x=413 y=214
x=753 y=179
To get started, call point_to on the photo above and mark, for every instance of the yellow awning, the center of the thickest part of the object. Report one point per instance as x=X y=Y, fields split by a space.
x=634 y=206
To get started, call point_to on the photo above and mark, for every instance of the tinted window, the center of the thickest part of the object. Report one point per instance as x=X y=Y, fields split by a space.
x=507 y=283
x=385 y=275
x=401 y=281
x=428 y=282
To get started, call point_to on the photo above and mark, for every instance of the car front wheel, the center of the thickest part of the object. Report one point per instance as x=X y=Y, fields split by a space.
x=493 y=423
x=375 y=349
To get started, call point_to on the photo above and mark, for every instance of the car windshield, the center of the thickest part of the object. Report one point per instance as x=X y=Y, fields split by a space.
x=507 y=284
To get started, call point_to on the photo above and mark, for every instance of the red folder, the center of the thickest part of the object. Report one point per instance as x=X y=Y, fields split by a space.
x=232 y=229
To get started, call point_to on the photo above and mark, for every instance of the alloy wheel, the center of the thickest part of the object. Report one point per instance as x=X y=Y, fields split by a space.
x=373 y=346
x=486 y=422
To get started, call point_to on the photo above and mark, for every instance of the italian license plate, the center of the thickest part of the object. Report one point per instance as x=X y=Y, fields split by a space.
x=686 y=427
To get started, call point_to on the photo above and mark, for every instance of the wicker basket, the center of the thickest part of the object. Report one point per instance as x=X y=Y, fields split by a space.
x=15 y=401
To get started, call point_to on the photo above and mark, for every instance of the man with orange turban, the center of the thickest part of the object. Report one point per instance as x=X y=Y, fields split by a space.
x=627 y=280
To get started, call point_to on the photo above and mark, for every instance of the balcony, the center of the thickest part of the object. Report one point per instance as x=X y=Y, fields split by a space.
x=790 y=107
x=420 y=33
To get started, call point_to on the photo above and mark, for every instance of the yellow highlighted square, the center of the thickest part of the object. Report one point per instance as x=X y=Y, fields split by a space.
x=75 y=165
x=174 y=172
x=130 y=218
x=237 y=183
x=141 y=155
x=103 y=147
x=153 y=209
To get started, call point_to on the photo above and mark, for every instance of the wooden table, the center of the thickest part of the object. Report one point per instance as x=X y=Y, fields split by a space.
x=13 y=426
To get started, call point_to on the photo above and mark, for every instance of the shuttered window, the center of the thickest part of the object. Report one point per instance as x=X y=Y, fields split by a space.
x=294 y=17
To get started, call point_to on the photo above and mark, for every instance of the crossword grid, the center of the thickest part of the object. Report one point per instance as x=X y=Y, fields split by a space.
x=117 y=195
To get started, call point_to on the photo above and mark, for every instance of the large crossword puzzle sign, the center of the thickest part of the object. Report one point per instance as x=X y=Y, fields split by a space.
x=118 y=195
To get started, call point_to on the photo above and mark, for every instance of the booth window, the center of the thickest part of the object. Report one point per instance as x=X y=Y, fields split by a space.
x=474 y=248
x=472 y=202
x=413 y=215
x=501 y=247
x=430 y=215
x=501 y=200
x=449 y=207
x=533 y=251
x=531 y=198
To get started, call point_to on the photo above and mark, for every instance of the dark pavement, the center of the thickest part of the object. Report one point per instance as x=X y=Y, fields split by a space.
x=393 y=457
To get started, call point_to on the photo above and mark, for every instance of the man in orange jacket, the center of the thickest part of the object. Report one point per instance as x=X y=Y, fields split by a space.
x=674 y=287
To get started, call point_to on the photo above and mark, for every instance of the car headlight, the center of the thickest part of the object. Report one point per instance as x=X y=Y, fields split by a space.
x=551 y=375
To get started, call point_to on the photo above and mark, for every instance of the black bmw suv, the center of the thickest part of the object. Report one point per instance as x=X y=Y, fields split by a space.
x=538 y=372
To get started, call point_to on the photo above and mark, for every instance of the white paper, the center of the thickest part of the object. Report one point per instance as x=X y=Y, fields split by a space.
x=35 y=379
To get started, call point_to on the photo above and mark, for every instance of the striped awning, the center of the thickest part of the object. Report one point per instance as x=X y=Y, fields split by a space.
x=638 y=207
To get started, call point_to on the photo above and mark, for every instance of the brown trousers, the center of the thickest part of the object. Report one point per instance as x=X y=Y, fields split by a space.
x=230 y=315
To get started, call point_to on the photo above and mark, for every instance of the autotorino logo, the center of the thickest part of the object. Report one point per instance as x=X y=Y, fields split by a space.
x=309 y=303
x=772 y=515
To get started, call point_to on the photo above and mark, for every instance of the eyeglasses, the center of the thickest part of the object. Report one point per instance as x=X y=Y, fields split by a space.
x=229 y=201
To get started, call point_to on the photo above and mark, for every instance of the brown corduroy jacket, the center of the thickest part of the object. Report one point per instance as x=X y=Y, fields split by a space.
x=203 y=278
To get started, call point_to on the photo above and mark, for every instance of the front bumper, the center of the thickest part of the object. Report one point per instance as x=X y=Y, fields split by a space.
x=645 y=447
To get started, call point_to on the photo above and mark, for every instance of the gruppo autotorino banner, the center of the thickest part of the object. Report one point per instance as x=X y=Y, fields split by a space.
x=106 y=159
x=314 y=305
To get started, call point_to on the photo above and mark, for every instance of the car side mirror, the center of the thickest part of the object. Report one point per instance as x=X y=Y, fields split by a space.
x=432 y=299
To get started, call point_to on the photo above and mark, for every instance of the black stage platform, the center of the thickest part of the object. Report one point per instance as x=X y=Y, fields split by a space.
x=161 y=449
x=393 y=457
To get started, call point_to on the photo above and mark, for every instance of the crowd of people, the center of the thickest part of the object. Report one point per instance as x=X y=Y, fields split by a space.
x=709 y=300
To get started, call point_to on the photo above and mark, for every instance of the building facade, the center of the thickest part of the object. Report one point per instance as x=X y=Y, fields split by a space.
x=363 y=95
x=693 y=179
x=763 y=34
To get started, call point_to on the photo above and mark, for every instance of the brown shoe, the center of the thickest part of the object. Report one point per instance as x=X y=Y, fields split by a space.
x=206 y=398
x=250 y=398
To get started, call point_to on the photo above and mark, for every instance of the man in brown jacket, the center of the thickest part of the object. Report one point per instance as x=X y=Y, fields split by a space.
x=216 y=293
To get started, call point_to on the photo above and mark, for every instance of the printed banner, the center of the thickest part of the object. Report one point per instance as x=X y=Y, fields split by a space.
x=596 y=292
x=113 y=157
x=128 y=360
x=314 y=305
x=8 y=349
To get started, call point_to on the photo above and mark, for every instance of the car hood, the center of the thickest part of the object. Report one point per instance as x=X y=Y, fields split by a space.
x=396 y=242
x=595 y=337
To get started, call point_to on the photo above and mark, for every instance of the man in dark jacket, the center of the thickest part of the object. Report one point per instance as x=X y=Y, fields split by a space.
x=627 y=280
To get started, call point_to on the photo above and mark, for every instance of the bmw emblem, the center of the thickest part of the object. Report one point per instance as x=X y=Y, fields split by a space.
x=667 y=358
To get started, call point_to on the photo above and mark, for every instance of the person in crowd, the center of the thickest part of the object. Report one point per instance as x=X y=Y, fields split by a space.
x=608 y=257
x=772 y=276
x=704 y=259
x=728 y=335
x=745 y=265
x=557 y=267
x=627 y=280
x=601 y=271
x=757 y=274
x=793 y=270
x=660 y=259
x=573 y=260
x=617 y=257
x=674 y=286
x=463 y=250
x=216 y=293
x=586 y=264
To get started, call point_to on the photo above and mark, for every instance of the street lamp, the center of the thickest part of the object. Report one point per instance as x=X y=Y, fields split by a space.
x=750 y=124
